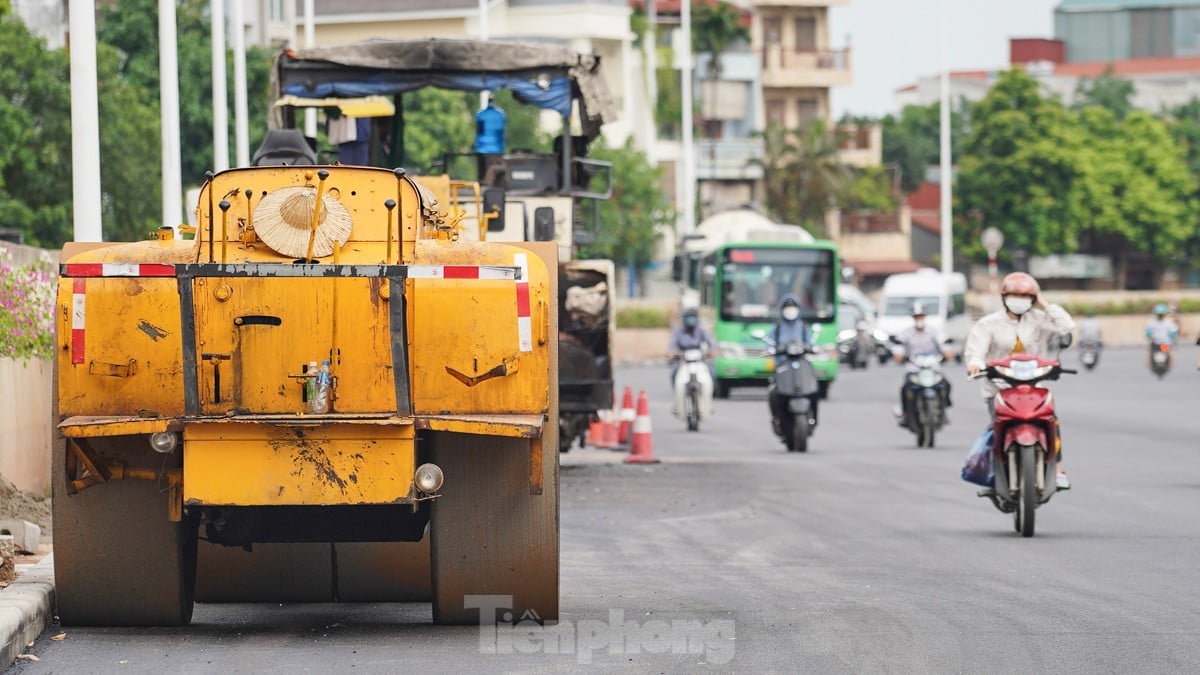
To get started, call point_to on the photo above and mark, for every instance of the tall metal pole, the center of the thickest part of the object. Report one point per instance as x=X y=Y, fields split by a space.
x=946 y=181
x=168 y=101
x=219 y=83
x=651 y=49
x=688 y=158
x=241 y=124
x=483 y=36
x=85 y=122
x=310 y=41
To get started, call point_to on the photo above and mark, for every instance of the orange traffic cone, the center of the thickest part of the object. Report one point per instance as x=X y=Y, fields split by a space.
x=595 y=432
x=607 y=438
x=643 y=441
x=628 y=415
x=613 y=432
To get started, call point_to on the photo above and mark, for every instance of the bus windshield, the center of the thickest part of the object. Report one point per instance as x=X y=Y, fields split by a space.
x=755 y=281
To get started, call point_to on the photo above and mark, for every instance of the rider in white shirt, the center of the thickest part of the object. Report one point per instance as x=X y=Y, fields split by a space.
x=1026 y=325
x=918 y=340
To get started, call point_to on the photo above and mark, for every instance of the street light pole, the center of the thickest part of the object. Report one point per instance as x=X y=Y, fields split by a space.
x=945 y=218
x=688 y=207
x=85 y=122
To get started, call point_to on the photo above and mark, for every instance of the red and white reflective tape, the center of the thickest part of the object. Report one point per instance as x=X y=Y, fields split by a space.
x=524 y=319
x=460 y=272
x=78 y=314
x=119 y=270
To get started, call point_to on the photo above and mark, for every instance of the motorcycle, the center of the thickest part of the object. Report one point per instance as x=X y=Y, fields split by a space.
x=929 y=415
x=1025 y=439
x=1160 y=358
x=693 y=389
x=855 y=346
x=1089 y=354
x=792 y=393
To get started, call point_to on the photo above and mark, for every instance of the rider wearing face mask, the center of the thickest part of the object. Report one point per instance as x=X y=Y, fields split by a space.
x=791 y=328
x=688 y=335
x=1026 y=325
x=919 y=340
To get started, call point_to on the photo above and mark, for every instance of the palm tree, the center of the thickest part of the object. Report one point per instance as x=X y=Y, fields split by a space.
x=802 y=173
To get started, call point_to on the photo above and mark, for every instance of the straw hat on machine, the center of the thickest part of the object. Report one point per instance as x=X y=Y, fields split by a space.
x=283 y=220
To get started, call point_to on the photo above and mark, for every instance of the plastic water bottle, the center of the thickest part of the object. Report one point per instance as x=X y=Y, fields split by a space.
x=320 y=402
x=310 y=386
x=489 y=130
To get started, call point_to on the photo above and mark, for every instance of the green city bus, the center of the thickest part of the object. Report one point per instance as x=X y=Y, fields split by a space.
x=739 y=286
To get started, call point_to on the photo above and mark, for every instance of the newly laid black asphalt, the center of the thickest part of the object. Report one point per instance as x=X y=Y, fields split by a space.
x=864 y=555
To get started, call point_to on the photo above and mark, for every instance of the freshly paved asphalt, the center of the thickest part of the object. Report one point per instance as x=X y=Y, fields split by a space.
x=866 y=554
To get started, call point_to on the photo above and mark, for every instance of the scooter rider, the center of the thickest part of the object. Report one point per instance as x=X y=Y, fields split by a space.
x=688 y=335
x=918 y=340
x=1089 y=331
x=790 y=329
x=1162 y=330
x=1026 y=325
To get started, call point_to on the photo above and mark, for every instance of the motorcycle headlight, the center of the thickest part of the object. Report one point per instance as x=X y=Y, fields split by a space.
x=794 y=349
x=928 y=378
x=915 y=378
x=880 y=336
x=732 y=350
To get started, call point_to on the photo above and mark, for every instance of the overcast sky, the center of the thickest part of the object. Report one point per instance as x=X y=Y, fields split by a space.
x=896 y=41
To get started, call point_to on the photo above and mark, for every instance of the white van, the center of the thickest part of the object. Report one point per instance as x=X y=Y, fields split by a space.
x=944 y=298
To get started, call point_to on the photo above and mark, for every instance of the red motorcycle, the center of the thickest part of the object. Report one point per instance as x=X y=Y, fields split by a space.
x=1025 y=440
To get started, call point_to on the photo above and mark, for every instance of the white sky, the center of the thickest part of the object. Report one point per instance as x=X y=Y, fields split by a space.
x=896 y=41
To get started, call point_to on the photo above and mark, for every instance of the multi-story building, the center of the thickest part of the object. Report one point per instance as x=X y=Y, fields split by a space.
x=799 y=62
x=1117 y=30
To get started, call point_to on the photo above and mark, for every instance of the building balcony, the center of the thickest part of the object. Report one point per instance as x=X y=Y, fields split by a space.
x=860 y=146
x=728 y=159
x=786 y=68
x=758 y=4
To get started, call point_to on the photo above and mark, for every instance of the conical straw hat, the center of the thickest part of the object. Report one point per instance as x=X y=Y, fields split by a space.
x=283 y=219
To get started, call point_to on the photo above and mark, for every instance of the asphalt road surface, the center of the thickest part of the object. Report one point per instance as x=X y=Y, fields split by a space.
x=865 y=554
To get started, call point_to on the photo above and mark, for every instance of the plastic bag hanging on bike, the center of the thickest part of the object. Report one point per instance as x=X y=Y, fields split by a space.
x=977 y=468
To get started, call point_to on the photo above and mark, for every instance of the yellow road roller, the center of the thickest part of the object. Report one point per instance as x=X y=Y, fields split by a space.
x=315 y=398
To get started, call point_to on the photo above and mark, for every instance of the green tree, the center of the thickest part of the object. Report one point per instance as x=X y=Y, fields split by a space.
x=35 y=136
x=1107 y=91
x=131 y=26
x=638 y=213
x=870 y=188
x=802 y=174
x=1135 y=187
x=912 y=140
x=1185 y=128
x=715 y=27
x=1017 y=170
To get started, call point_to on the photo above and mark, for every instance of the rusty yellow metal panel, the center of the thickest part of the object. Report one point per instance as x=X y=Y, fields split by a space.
x=274 y=465
x=96 y=427
x=512 y=426
x=254 y=335
x=362 y=190
x=119 y=345
x=465 y=335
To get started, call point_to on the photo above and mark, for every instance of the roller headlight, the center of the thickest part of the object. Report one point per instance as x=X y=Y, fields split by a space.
x=164 y=441
x=428 y=478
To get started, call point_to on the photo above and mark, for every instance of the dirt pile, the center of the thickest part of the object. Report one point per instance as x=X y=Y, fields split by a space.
x=22 y=505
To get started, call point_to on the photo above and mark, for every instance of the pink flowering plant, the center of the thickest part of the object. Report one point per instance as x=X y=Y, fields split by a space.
x=26 y=308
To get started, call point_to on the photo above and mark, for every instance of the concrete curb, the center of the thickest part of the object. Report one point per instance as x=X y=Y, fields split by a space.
x=26 y=609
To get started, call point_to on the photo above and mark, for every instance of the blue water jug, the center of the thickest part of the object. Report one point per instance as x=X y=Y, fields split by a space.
x=489 y=130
